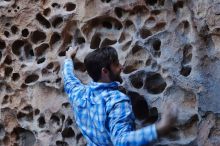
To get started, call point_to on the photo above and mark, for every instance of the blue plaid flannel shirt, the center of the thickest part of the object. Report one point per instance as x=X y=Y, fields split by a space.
x=102 y=113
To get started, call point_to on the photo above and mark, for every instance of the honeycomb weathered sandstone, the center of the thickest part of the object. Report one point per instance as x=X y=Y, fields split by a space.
x=169 y=49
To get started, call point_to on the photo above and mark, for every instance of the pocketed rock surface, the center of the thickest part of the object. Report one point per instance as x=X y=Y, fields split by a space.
x=170 y=50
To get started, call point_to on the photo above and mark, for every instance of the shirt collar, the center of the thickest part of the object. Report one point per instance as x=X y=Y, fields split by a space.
x=99 y=85
x=89 y=96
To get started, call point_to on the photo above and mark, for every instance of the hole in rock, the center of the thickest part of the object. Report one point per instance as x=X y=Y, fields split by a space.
x=38 y=37
x=159 y=26
x=37 y=111
x=23 y=86
x=128 y=69
x=55 y=119
x=126 y=46
x=57 y=68
x=95 y=41
x=107 y=24
x=139 y=106
x=41 y=122
x=28 y=50
x=13 y=6
x=184 y=28
x=68 y=132
x=41 y=60
x=178 y=5
x=66 y=104
x=150 y=22
x=55 y=38
x=28 y=108
x=2 y=131
x=154 y=83
x=40 y=50
x=25 y=32
x=157 y=53
x=122 y=38
x=24 y=137
x=31 y=78
x=144 y=33
x=69 y=121
x=139 y=10
x=187 y=54
x=80 y=40
x=7 y=24
x=118 y=12
x=8 y=60
x=148 y=62
x=15 y=76
x=107 y=1
x=57 y=21
x=107 y=42
x=44 y=71
x=185 y=24
x=5 y=99
x=9 y=89
x=150 y=2
x=63 y=117
x=185 y=71
x=26 y=117
x=118 y=26
x=8 y=71
x=155 y=12
x=136 y=49
x=58 y=80
x=137 y=80
x=7 y=0
x=79 y=136
x=16 y=46
x=128 y=23
x=50 y=65
x=55 y=5
x=7 y=34
x=156 y=44
x=153 y=115
x=2 y=44
x=62 y=53
x=61 y=143
x=161 y=2
x=70 y=6
x=14 y=29
x=46 y=12
x=42 y=20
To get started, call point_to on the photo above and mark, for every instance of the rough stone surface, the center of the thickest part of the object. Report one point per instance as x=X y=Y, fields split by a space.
x=169 y=48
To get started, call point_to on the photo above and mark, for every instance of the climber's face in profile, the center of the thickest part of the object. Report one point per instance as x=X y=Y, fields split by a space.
x=115 y=71
x=103 y=65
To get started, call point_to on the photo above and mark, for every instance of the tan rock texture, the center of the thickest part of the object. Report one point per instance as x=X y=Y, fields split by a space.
x=170 y=50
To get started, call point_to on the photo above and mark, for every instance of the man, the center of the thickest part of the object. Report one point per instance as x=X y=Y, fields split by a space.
x=104 y=114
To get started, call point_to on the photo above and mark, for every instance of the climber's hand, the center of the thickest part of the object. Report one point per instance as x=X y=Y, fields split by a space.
x=168 y=119
x=71 y=52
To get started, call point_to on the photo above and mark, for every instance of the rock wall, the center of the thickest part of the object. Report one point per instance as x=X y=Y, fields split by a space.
x=169 y=48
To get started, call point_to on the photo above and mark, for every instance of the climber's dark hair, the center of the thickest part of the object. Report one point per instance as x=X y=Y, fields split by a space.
x=98 y=59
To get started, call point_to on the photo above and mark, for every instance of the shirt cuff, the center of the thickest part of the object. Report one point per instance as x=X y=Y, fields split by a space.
x=68 y=60
x=154 y=131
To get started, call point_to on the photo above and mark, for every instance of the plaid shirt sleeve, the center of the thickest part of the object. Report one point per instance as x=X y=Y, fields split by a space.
x=121 y=124
x=71 y=83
